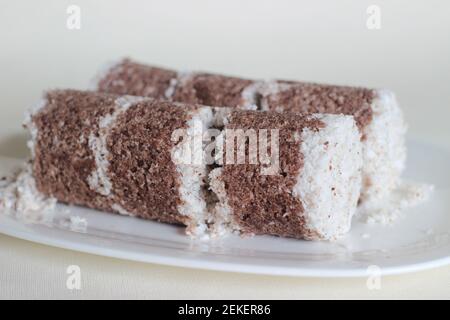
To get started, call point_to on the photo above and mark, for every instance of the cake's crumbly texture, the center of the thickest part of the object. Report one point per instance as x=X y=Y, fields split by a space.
x=317 y=98
x=20 y=198
x=110 y=153
x=145 y=179
x=63 y=160
x=265 y=204
x=128 y=77
x=396 y=204
x=211 y=90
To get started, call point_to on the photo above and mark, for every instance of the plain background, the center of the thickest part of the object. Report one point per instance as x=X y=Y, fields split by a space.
x=324 y=41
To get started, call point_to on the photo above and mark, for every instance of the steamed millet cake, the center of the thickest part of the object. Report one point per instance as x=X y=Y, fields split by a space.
x=129 y=77
x=314 y=193
x=117 y=153
x=114 y=153
x=378 y=116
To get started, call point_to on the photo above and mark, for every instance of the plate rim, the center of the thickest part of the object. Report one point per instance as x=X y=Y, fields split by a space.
x=223 y=266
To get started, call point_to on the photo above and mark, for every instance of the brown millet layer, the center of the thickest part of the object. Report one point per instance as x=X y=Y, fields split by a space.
x=223 y=91
x=145 y=179
x=211 y=90
x=200 y=88
x=136 y=79
x=318 y=98
x=264 y=204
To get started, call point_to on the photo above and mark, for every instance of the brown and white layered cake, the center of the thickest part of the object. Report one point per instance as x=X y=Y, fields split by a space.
x=124 y=154
x=129 y=77
x=116 y=153
x=377 y=113
x=313 y=192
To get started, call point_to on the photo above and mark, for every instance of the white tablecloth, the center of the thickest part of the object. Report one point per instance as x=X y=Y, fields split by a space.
x=32 y=271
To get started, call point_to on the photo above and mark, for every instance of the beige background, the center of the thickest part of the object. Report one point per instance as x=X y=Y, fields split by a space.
x=324 y=41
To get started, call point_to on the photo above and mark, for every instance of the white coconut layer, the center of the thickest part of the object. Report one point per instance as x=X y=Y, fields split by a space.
x=19 y=196
x=329 y=183
x=250 y=96
x=221 y=213
x=384 y=150
x=31 y=126
x=189 y=158
x=268 y=88
x=181 y=79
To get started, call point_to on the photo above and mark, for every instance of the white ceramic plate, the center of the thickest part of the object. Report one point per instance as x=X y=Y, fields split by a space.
x=418 y=241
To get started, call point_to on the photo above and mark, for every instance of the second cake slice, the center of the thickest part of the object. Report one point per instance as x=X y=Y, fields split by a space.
x=310 y=192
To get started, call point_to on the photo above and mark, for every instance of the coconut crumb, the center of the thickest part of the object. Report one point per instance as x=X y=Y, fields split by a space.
x=20 y=198
x=171 y=89
x=120 y=210
x=78 y=224
x=393 y=206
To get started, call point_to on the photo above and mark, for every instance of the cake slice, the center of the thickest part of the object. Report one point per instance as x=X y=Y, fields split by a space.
x=312 y=193
x=379 y=118
x=117 y=153
x=130 y=77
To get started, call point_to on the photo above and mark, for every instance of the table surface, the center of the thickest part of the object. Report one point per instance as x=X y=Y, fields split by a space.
x=320 y=41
